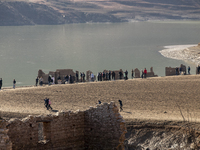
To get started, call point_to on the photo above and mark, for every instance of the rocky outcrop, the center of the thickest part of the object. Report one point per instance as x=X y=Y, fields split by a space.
x=162 y=135
x=5 y=143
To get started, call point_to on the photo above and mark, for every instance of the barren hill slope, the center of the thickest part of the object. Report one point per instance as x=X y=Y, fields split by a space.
x=21 y=12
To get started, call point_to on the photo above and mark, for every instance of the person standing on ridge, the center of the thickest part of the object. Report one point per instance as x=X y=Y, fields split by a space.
x=120 y=75
x=176 y=70
x=109 y=75
x=77 y=77
x=132 y=73
x=83 y=77
x=14 y=83
x=113 y=75
x=0 y=83
x=49 y=80
x=126 y=75
x=36 y=81
x=145 y=72
x=142 y=74
x=188 y=69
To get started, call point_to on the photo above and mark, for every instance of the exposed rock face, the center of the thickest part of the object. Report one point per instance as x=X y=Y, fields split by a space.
x=97 y=128
x=23 y=13
x=162 y=135
x=5 y=143
x=51 y=12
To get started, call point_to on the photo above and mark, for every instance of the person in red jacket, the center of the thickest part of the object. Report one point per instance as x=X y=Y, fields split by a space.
x=145 y=72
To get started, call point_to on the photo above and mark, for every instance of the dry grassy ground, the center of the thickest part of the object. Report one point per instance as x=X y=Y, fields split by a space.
x=159 y=98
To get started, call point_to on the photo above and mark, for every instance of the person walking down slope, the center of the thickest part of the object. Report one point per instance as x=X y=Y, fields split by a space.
x=49 y=104
x=14 y=83
x=98 y=102
x=46 y=103
x=121 y=105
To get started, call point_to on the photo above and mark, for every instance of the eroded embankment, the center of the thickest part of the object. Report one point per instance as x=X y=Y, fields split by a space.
x=162 y=135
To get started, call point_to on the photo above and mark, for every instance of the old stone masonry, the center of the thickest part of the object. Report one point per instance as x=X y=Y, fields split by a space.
x=97 y=128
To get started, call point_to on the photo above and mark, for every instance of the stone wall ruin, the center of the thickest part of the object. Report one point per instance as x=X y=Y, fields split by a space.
x=58 y=73
x=169 y=71
x=97 y=128
x=137 y=73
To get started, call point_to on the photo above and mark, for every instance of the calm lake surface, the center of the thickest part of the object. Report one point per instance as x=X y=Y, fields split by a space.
x=26 y=49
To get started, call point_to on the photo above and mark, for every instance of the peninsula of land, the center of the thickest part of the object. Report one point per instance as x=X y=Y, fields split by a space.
x=189 y=53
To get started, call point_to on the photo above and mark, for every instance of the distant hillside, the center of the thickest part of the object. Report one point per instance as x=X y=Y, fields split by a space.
x=49 y=12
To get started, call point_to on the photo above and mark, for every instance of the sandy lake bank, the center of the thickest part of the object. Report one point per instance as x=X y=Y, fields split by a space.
x=159 y=98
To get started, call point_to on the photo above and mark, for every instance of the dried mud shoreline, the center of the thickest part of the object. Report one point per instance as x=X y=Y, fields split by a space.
x=154 y=108
x=189 y=53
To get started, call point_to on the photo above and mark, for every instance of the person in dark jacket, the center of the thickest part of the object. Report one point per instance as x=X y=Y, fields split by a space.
x=113 y=75
x=188 y=69
x=36 y=81
x=67 y=78
x=83 y=77
x=0 y=83
x=49 y=80
x=126 y=75
x=49 y=104
x=104 y=75
x=121 y=105
x=132 y=74
x=120 y=75
x=14 y=83
x=109 y=74
x=142 y=72
x=176 y=70
x=46 y=103
x=76 y=76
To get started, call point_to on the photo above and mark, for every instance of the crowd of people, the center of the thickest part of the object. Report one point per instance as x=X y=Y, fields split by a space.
x=110 y=75
x=101 y=76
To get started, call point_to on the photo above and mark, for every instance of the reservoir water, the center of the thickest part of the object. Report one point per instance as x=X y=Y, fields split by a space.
x=112 y=46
